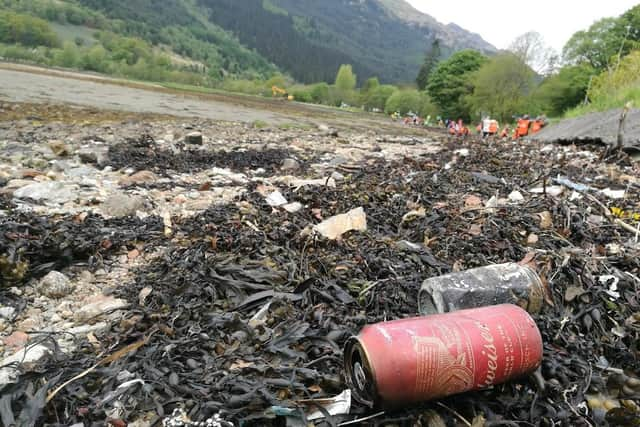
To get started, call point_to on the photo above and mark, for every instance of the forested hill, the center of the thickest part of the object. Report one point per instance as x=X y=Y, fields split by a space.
x=310 y=38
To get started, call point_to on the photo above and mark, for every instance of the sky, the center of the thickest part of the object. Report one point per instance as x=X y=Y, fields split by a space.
x=500 y=21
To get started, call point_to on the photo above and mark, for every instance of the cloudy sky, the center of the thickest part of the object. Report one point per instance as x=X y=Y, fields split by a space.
x=500 y=21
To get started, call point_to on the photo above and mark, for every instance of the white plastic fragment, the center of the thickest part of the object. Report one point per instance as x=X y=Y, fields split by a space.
x=613 y=194
x=338 y=405
x=333 y=228
x=276 y=199
x=293 y=207
x=552 y=190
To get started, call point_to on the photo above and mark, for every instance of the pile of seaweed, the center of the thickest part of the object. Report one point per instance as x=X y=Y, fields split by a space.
x=247 y=312
x=144 y=153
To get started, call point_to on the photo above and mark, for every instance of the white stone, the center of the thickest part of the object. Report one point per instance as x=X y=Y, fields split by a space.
x=24 y=359
x=7 y=312
x=54 y=192
x=516 y=197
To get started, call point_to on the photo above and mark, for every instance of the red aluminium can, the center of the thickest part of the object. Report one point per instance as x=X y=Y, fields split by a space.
x=415 y=360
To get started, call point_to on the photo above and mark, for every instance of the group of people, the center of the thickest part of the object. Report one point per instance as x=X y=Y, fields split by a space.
x=489 y=127
x=412 y=119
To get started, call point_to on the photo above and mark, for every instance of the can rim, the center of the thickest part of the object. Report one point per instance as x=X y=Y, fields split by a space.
x=364 y=392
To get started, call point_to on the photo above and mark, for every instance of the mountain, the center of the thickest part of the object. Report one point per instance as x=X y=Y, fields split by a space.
x=308 y=39
x=451 y=35
x=311 y=38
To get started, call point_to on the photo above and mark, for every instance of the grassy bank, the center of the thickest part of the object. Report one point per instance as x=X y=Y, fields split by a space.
x=616 y=100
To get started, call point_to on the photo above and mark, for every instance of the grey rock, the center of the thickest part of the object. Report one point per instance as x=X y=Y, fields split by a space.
x=121 y=205
x=98 y=306
x=290 y=165
x=81 y=172
x=194 y=138
x=59 y=148
x=338 y=160
x=54 y=192
x=55 y=285
x=7 y=312
x=94 y=155
x=337 y=176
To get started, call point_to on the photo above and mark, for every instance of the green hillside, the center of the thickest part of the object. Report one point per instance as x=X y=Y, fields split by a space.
x=134 y=31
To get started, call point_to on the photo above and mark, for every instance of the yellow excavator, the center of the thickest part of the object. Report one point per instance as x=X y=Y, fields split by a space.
x=275 y=91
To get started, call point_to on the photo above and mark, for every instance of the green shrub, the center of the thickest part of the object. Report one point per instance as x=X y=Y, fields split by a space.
x=68 y=56
x=320 y=93
x=377 y=97
x=403 y=102
x=301 y=93
x=410 y=100
x=17 y=52
x=26 y=30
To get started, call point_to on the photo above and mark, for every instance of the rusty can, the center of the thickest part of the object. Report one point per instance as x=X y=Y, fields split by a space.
x=480 y=287
x=414 y=360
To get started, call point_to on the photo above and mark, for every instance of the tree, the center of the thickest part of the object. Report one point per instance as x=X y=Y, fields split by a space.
x=26 y=30
x=611 y=84
x=95 y=59
x=67 y=57
x=501 y=86
x=449 y=83
x=630 y=21
x=377 y=97
x=430 y=61
x=564 y=90
x=595 y=46
x=320 y=93
x=531 y=49
x=410 y=101
x=345 y=79
x=371 y=84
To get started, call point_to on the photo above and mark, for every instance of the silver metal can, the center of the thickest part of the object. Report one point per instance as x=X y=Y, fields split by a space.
x=491 y=285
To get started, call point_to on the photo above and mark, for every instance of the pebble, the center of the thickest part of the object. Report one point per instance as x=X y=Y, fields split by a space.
x=290 y=165
x=120 y=205
x=337 y=176
x=59 y=148
x=95 y=306
x=142 y=177
x=194 y=138
x=55 y=285
x=66 y=314
x=16 y=340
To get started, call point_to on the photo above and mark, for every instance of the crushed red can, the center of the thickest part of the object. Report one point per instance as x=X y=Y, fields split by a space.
x=414 y=360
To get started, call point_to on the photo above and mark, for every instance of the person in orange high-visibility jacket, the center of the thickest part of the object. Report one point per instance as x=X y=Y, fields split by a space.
x=537 y=125
x=522 y=129
x=493 y=127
